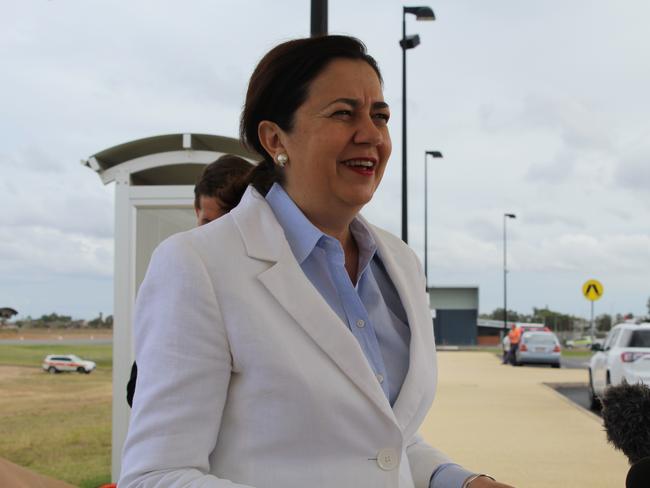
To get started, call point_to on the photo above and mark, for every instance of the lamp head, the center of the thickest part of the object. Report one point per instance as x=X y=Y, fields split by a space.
x=510 y=215
x=434 y=154
x=421 y=13
x=409 y=42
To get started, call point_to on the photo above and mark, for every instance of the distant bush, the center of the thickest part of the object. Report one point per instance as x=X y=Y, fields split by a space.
x=55 y=321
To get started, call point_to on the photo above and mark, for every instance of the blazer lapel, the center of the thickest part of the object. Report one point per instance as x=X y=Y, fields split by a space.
x=421 y=375
x=264 y=239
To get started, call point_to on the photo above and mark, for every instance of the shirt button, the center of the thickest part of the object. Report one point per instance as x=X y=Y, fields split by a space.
x=361 y=323
x=380 y=378
x=387 y=459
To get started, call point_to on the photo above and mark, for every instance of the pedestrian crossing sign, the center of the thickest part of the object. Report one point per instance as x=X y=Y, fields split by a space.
x=592 y=290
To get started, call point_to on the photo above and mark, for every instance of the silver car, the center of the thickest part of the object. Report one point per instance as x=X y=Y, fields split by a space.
x=538 y=348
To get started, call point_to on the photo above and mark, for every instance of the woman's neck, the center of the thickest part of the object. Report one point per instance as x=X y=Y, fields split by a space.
x=336 y=223
x=330 y=218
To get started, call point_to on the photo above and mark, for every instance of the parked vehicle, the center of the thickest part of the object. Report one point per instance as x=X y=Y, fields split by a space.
x=624 y=356
x=539 y=347
x=582 y=342
x=505 y=342
x=57 y=363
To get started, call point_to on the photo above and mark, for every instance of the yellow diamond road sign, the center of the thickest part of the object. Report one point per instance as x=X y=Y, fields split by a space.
x=592 y=290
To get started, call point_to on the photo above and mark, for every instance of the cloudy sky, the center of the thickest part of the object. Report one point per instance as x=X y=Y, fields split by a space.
x=540 y=108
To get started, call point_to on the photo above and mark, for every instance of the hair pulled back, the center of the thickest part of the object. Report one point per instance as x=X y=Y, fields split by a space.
x=280 y=85
x=226 y=179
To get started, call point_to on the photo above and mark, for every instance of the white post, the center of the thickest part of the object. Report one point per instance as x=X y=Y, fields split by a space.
x=122 y=336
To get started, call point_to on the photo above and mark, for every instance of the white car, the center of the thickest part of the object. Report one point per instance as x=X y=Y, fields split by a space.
x=56 y=363
x=624 y=356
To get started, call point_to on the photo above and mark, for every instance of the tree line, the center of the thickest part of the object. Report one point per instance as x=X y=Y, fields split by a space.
x=559 y=322
x=56 y=321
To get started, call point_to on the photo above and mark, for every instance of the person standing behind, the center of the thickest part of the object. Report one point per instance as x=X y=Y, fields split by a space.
x=514 y=336
x=220 y=187
x=218 y=190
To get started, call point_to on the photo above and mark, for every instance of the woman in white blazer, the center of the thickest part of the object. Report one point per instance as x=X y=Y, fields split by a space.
x=289 y=344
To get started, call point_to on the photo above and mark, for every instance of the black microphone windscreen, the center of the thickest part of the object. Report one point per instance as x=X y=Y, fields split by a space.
x=626 y=415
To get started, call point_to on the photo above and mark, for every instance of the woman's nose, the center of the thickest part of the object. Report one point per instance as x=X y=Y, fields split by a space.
x=368 y=132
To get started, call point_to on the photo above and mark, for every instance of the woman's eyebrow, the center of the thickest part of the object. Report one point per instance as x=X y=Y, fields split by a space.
x=354 y=103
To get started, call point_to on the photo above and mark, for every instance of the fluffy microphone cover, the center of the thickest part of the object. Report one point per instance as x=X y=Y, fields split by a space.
x=626 y=415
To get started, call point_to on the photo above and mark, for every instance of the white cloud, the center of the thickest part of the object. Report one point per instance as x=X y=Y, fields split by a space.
x=65 y=198
x=561 y=168
x=621 y=254
x=46 y=252
x=541 y=217
x=535 y=114
x=579 y=124
x=634 y=173
x=461 y=252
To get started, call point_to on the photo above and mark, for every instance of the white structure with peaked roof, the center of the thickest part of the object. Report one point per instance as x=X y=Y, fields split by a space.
x=154 y=193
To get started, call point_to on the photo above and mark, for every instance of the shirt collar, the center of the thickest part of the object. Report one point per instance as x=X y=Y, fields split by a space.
x=303 y=236
x=365 y=242
x=299 y=231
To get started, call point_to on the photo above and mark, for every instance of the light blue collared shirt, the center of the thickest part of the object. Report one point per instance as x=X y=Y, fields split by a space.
x=371 y=309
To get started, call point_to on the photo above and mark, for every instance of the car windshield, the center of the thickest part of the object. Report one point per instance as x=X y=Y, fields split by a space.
x=640 y=338
x=540 y=339
x=74 y=358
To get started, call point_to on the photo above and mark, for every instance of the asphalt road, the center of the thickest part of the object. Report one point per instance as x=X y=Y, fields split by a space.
x=579 y=363
x=577 y=394
x=571 y=362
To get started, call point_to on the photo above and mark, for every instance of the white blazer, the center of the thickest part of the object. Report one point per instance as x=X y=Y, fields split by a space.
x=247 y=378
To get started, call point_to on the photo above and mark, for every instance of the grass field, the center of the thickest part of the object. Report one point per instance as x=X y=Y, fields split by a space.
x=566 y=353
x=576 y=353
x=58 y=425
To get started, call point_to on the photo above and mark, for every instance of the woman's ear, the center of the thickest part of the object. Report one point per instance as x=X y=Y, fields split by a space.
x=271 y=136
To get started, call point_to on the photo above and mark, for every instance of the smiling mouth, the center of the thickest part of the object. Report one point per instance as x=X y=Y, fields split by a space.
x=364 y=165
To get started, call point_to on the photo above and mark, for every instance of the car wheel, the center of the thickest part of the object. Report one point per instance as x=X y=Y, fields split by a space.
x=51 y=370
x=594 y=401
x=88 y=371
x=80 y=370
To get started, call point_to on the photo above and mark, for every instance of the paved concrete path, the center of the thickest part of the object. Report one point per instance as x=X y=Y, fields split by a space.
x=504 y=421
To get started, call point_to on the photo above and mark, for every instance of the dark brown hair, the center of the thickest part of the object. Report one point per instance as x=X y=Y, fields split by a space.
x=226 y=178
x=279 y=86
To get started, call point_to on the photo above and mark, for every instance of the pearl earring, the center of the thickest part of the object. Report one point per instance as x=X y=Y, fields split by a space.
x=282 y=159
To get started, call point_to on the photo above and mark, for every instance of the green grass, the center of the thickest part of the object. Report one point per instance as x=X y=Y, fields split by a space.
x=493 y=349
x=57 y=425
x=576 y=353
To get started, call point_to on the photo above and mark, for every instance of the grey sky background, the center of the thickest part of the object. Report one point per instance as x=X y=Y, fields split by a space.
x=540 y=109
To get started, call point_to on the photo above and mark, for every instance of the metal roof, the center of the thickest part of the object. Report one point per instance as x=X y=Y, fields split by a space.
x=171 y=159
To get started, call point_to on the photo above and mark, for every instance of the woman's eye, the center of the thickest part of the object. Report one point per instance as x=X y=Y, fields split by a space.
x=342 y=113
x=382 y=116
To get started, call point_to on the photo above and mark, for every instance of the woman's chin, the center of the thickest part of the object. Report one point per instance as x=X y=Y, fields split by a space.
x=356 y=199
